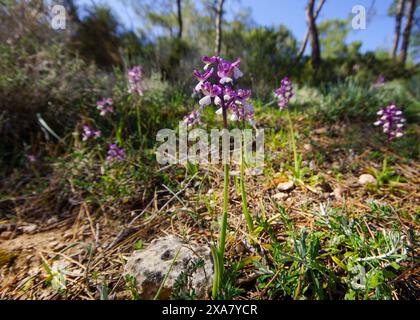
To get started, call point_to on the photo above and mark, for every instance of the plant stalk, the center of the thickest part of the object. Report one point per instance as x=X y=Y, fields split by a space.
x=245 y=211
x=292 y=137
x=219 y=264
x=139 y=120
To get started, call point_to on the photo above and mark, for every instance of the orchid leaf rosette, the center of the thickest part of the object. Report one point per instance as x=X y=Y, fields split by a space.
x=217 y=86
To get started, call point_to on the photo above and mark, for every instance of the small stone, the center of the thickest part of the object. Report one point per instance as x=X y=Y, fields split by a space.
x=6 y=235
x=307 y=147
x=321 y=130
x=68 y=235
x=54 y=244
x=338 y=193
x=366 y=179
x=150 y=265
x=29 y=228
x=52 y=220
x=280 y=196
x=285 y=186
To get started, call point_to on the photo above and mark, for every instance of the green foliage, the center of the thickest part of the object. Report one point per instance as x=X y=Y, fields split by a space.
x=366 y=260
x=130 y=285
x=357 y=99
x=269 y=53
x=333 y=34
x=182 y=289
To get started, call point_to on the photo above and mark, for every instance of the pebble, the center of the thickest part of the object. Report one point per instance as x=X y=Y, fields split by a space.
x=285 y=186
x=280 y=196
x=6 y=235
x=338 y=193
x=29 y=228
x=366 y=178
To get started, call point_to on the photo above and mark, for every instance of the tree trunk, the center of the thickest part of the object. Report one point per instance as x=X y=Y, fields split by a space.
x=313 y=33
x=219 y=17
x=407 y=31
x=397 y=32
x=305 y=40
x=180 y=23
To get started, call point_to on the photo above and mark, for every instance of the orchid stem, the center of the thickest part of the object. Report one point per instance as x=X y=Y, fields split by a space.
x=219 y=253
x=292 y=137
x=139 y=121
x=245 y=211
x=223 y=227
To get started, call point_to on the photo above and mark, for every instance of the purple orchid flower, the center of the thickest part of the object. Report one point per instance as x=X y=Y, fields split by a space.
x=392 y=120
x=210 y=91
x=284 y=93
x=203 y=76
x=379 y=82
x=31 y=158
x=228 y=71
x=89 y=133
x=193 y=118
x=105 y=106
x=208 y=61
x=115 y=153
x=135 y=80
x=217 y=85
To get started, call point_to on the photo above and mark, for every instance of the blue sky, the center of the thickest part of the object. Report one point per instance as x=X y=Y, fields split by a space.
x=292 y=14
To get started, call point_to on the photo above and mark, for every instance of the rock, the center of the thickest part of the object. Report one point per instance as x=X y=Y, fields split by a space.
x=52 y=220
x=6 y=235
x=308 y=147
x=149 y=267
x=29 y=228
x=280 y=196
x=320 y=130
x=285 y=186
x=366 y=178
x=338 y=193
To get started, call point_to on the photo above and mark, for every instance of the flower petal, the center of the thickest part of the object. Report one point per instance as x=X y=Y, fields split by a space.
x=205 y=101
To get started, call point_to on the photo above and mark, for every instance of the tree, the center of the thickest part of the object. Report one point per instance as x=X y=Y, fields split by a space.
x=180 y=23
x=313 y=32
x=407 y=30
x=398 y=18
x=219 y=17
x=98 y=37
x=306 y=38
